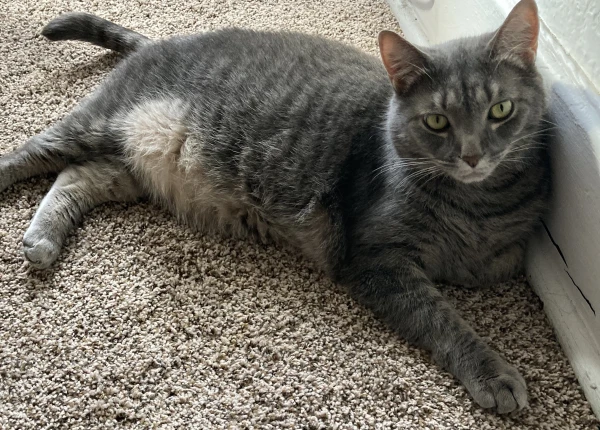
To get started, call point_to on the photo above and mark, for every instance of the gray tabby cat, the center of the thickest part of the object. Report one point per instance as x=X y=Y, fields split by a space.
x=390 y=188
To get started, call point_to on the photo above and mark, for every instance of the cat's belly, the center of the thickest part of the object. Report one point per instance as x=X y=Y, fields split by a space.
x=165 y=156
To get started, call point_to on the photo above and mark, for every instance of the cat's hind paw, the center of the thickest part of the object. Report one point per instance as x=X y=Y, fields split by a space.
x=40 y=253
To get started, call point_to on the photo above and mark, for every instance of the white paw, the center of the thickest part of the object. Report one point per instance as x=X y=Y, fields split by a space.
x=500 y=386
x=40 y=252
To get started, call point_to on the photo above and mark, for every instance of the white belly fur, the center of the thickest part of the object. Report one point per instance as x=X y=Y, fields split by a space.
x=166 y=159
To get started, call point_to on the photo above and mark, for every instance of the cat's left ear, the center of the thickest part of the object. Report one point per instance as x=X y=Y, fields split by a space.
x=517 y=39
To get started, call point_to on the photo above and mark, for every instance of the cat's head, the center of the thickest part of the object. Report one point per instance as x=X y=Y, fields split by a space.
x=464 y=107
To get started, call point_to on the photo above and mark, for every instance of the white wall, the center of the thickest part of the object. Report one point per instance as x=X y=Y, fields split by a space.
x=569 y=59
x=576 y=26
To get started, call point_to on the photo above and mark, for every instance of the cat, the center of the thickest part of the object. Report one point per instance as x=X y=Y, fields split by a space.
x=429 y=167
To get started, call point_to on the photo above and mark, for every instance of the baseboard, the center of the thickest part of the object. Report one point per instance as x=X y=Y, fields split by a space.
x=564 y=258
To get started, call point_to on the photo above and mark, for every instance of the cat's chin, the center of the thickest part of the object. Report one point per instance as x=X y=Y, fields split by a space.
x=471 y=177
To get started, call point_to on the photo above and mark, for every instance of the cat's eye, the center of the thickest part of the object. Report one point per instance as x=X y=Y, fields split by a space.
x=436 y=122
x=501 y=110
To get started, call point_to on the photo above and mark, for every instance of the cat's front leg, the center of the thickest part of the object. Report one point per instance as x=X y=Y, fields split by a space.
x=407 y=301
x=499 y=266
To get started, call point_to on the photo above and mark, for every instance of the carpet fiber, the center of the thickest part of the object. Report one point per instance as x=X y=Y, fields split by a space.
x=144 y=324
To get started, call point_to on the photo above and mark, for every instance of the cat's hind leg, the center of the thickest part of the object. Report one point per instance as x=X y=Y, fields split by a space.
x=36 y=157
x=77 y=190
x=75 y=139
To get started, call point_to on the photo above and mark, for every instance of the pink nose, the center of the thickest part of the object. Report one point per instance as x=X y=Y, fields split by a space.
x=471 y=160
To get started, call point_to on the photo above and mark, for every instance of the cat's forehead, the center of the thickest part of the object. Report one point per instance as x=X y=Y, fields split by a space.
x=467 y=91
x=464 y=77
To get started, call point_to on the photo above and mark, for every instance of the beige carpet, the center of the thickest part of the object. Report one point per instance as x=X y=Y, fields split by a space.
x=144 y=324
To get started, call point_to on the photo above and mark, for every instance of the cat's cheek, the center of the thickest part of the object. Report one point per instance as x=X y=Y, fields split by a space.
x=433 y=145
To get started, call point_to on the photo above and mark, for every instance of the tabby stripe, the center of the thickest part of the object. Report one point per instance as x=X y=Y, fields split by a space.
x=527 y=200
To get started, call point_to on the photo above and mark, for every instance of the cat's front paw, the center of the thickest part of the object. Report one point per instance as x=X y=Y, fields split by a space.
x=40 y=252
x=498 y=385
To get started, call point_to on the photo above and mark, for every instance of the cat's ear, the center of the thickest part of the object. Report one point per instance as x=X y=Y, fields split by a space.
x=404 y=62
x=517 y=37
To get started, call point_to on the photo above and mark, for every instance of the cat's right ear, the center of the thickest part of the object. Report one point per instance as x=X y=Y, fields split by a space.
x=404 y=63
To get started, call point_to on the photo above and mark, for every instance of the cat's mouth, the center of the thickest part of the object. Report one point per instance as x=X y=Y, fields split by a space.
x=470 y=175
x=474 y=176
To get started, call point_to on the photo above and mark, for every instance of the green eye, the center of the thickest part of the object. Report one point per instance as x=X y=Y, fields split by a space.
x=501 y=110
x=436 y=122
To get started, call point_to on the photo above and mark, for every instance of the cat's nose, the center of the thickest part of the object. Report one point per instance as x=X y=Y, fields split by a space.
x=471 y=160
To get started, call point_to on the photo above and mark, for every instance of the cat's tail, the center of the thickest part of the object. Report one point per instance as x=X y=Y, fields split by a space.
x=93 y=29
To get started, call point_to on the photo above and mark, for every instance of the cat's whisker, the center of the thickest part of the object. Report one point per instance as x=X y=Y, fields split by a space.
x=416 y=176
x=535 y=133
x=390 y=167
x=529 y=144
x=408 y=178
x=401 y=162
x=516 y=160
x=526 y=149
x=435 y=176
x=549 y=122
x=535 y=145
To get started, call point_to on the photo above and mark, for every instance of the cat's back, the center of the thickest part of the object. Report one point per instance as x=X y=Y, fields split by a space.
x=234 y=60
x=276 y=47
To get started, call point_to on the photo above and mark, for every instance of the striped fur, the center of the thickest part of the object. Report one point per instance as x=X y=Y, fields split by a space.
x=303 y=140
